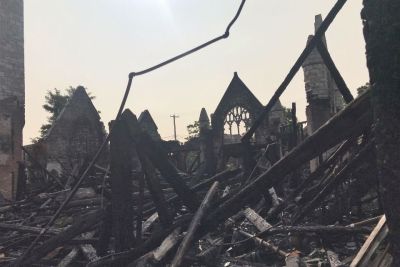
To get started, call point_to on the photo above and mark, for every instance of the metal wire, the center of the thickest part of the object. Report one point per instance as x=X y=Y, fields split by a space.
x=19 y=261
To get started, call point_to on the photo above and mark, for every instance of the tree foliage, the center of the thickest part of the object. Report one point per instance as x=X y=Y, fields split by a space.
x=193 y=130
x=363 y=88
x=287 y=116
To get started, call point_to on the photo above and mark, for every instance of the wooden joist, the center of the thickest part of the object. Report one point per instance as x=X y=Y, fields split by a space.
x=194 y=225
x=158 y=157
x=373 y=241
x=356 y=118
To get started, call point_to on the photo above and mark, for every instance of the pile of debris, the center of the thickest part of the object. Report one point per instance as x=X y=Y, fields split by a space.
x=142 y=211
x=157 y=216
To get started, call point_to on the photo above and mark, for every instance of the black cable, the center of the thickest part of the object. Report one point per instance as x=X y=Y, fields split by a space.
x=19 y=261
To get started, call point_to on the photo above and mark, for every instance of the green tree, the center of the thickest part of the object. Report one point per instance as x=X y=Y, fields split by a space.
x=363 y=88
x=193 y=130
x=287 y=116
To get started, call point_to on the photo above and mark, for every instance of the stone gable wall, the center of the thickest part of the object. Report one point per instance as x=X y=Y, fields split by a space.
x=76 y=135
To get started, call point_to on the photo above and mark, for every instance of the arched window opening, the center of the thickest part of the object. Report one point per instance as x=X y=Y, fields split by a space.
x=236 y=124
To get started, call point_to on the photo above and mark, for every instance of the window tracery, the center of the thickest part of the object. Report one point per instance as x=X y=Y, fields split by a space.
x=237 y=121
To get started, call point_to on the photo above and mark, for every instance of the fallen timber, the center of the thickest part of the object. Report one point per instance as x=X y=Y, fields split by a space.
x=292 y=235
x=359 y=113
x=356 y=118
x=161 y=236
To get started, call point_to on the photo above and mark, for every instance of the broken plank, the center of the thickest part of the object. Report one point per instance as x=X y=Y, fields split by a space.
x=256 y=220
x=294 y=259
x=355 y=118
x=88 y=250
x=156 y=256
x=153 y=184
x=334 y=259
x=121 y=166
x=266 y=244
x=333 y=181
x=195 y=223
x=67 y=260
x=83 y=224
x=160 y=160
x=340 y=83
x=371 y=244
x=28 y=229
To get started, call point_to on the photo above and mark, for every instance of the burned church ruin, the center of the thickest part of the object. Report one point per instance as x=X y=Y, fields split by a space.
x=74 y=136
x=232 y=117
x=12 y=94
x=317 y=193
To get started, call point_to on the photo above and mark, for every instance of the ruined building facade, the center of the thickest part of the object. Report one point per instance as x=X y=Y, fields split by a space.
x=75 y=135
x=12 y=93
x=323 y=96
x=233 y=116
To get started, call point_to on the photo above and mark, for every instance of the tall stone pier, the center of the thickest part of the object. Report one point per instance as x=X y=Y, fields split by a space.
x=323 y=96
x=12 y=93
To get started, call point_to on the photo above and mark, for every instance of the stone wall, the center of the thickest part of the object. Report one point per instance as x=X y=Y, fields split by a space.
x=12 y=93
x=323 y=96
x=76 y=135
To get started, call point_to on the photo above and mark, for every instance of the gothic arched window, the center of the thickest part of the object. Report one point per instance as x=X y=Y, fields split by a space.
x=237 y=121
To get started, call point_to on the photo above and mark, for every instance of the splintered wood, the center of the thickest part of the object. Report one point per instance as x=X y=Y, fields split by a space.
x=249 y=224
x=143 y=210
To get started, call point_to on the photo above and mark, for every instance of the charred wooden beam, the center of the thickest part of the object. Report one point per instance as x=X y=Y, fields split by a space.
x=333 y=181
x=121 y=167
x=105 y=232
x=159 y=158
x=220 y=177
x=294 y=125
x=355 y=118
x=340 y=83
x=194 y=225
x=334 y=259
x=297 y=65
x=156 y=256
x=153 y=184
x=381 y=32
x=320 y=229
x=371 y=244
x=126 y=257
x=139 y=210
x=266 y=244
x=28 y=229
x=261 y=224
x=83 y=224
x=294 y=259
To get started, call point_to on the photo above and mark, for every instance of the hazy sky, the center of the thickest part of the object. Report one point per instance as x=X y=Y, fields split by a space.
x=96 y=43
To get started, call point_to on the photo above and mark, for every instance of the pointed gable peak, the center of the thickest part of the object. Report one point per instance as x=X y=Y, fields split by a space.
x=147 y=123
x=204 y=121
x=79 y=101
x=236 y=78
x=238 y=87
x=203 y=116
x=237 y=94
x=80 y=89
x=146 y=118
x=80 y=93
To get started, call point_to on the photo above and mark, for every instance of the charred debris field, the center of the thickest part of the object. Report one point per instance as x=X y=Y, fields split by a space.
x=253 y=186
